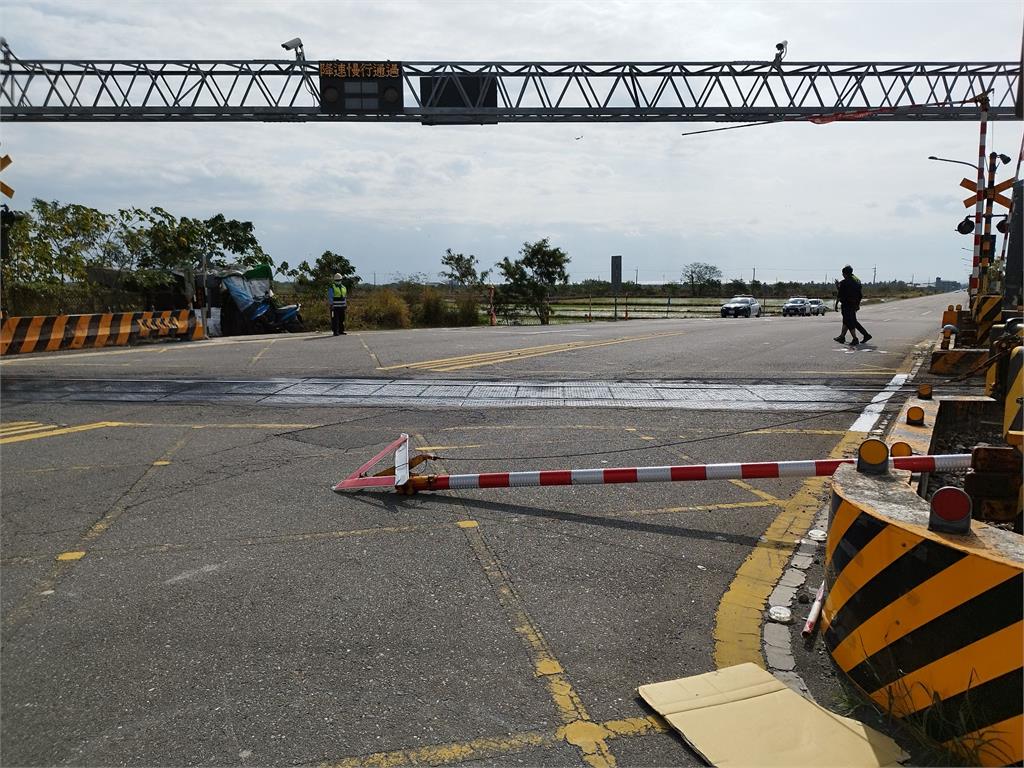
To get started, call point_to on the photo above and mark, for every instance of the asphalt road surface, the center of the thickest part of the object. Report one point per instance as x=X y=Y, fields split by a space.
x=180 y=586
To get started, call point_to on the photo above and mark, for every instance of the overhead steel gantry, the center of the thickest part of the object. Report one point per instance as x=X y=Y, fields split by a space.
x=493 y=92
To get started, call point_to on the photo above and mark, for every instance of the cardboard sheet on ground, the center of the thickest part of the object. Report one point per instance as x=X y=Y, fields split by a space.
x=744 y=716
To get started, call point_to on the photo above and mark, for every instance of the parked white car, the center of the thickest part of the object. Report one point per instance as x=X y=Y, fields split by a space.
x=818 y=307
x=798 y=305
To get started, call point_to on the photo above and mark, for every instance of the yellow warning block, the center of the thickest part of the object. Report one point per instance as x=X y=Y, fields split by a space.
x=743 y=716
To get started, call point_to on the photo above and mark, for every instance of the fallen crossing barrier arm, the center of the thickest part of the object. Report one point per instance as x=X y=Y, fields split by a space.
x=403 y=481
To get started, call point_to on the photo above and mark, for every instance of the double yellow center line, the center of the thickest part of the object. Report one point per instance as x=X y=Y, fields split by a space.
x=447 y=364
x=19 y=431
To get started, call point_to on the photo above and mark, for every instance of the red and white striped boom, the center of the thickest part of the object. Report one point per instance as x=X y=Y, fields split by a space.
x=616 y=475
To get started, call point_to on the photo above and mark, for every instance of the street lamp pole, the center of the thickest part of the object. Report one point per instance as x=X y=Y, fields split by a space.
x=947 y=160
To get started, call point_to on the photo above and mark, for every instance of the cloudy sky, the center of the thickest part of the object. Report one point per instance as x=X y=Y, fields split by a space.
x=794 y=201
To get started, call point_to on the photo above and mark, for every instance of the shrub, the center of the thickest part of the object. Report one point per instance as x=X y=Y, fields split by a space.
x=432 y=310
x=382 y=308
x=467 y=311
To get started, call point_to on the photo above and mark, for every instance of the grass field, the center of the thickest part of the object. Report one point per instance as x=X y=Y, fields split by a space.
x=649 y=308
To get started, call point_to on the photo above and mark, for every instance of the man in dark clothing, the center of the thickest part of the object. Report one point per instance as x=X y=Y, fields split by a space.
x=849 y=297
x=337 y=296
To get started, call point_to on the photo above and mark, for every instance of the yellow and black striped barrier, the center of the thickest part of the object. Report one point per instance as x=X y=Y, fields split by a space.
x=1013 y=420
x=952 y=362
x=928 y=625
x=49 y=333
x=986 y=312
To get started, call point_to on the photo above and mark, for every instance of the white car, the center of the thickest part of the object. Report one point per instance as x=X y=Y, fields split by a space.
x=818 y=307
x=797 y=305
x=741 y=306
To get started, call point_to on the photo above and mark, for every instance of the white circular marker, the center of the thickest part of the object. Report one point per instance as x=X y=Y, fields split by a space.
x=780 y=614
x=816 y=534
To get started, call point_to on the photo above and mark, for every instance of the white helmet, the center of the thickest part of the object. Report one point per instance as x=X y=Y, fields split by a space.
x=337 y=277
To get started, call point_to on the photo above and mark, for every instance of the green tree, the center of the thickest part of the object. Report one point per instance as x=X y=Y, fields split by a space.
x=323 y=270
x=461 y=270
x=701 y=277
x=28 y=259
x=530 y=278
x=66 y=239
x=183 y=243
x=736 y=287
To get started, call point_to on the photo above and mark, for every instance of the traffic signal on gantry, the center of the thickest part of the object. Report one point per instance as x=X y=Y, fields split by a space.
x=361 y=87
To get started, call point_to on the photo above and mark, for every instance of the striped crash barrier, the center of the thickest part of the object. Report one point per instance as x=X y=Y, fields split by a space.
x=50 y=333
x=399 y=476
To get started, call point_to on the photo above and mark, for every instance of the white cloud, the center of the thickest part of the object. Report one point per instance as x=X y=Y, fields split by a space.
x=790 y=197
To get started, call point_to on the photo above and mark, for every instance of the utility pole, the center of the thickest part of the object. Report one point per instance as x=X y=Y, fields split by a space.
x=874 y=274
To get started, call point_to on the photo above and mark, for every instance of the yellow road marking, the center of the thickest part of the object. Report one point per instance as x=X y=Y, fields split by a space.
x=21 y=610
x=62 y=431
x=68 y=468
x=738 y=620
x=219 y=426
x=572 y=346
x=780 y=431
x=59 y=357
x=287 y=538
x=258 y=355
x=697 y=508
x=50 y=430
x=449 y=447
x=25 y=428
x=758 y=492
x=479 y=359
x=324 y=535
x=447 y=754
x=370 y=352
x=78 y=555
x=72 y=357
x=489 y=747
x=501 y=427
x=841 y=374
x=577 y=727
x=763 y=495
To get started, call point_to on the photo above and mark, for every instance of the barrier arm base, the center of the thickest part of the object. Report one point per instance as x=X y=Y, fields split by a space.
x=395 y=476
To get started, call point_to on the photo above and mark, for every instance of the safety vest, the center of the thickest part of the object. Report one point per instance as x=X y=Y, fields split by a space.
x=338 y=295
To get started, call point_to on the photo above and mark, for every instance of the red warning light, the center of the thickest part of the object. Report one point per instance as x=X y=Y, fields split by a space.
x=951 y=511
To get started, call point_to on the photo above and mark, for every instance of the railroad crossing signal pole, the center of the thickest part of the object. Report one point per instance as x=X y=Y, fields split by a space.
x=6 y=190
x=975 y=281
x=987 y=240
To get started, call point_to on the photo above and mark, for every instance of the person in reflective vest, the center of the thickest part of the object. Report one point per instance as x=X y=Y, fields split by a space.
x=337 y=297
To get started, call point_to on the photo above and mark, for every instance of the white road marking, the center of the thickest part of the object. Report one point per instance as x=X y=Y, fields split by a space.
x=192 y=573
x=873 y=410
